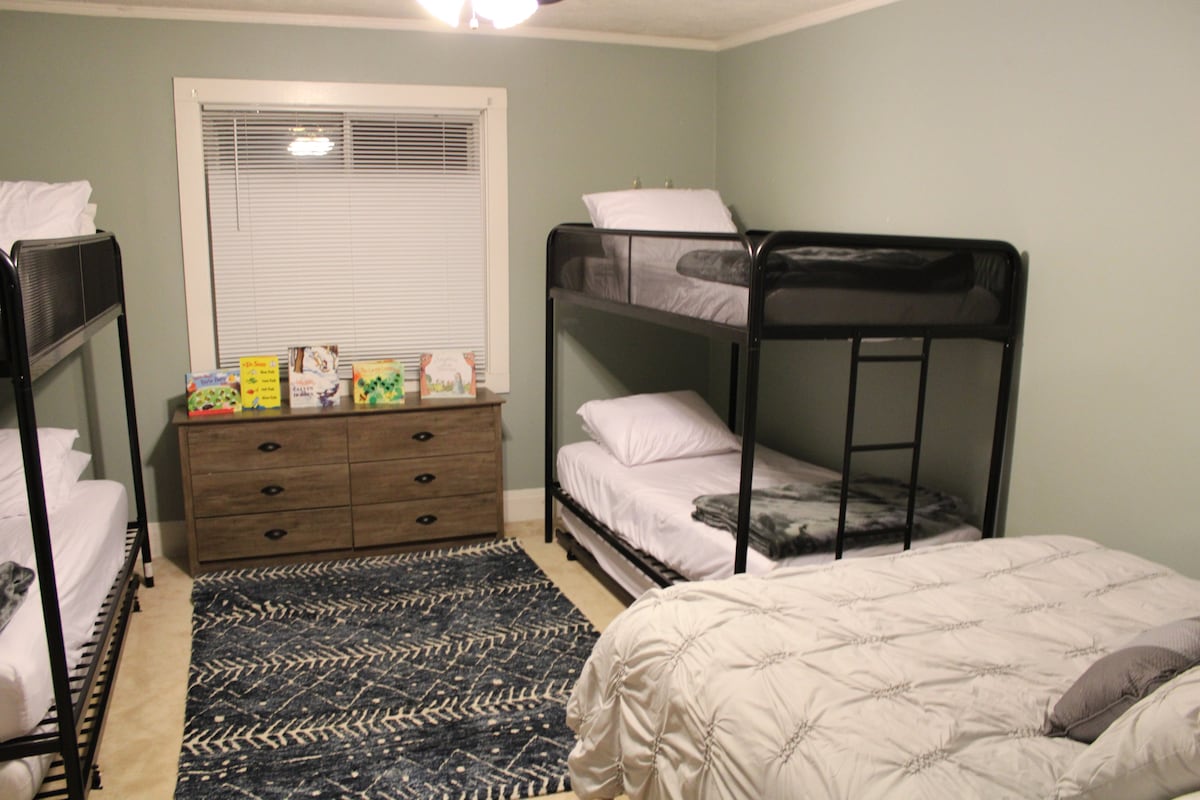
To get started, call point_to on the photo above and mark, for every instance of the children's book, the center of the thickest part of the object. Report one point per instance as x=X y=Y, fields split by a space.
x=217 y=391
x=260 y=382
x=313 y=375
x=448 y=373
x=378 y=382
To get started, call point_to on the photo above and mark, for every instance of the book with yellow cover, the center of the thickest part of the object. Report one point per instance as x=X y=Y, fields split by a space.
x=378 y=382
x=260 y=382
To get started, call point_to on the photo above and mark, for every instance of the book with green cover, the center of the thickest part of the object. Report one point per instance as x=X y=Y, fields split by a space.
x=378 y=382
x=217 y=391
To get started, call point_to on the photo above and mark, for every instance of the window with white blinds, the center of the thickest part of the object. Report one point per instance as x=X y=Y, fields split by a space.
x=364 y=227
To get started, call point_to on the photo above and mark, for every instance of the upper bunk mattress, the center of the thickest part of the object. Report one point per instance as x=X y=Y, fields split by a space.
x=709 y=279
x=88 y=534
x=650 y=506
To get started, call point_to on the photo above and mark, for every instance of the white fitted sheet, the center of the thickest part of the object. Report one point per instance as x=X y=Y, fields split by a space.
x=88 y=533
x=651 y=505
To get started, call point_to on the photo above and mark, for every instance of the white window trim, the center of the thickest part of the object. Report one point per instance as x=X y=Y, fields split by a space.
x=191 y=93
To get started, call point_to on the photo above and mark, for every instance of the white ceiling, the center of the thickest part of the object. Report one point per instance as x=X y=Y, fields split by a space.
x=699 y=24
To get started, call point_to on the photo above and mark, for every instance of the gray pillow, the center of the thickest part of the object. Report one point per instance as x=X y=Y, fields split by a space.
x=1121 y=678
x=14 y=584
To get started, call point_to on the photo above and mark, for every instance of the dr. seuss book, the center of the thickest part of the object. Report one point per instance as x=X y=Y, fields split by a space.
x=217 y=391
x=312 y=375
x=448 y=373
x=378 y=382
x=260 y=382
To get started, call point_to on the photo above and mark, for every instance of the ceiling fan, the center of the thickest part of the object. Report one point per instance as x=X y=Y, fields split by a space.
x=501 y=13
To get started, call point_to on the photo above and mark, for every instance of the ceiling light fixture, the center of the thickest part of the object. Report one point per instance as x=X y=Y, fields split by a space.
x=501 y=13
x=309 y=143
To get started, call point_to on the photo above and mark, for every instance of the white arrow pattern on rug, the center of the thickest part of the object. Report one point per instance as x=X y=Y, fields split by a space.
x=349 y=724
x=438 y=674
x=224 y=670
x=330 y=607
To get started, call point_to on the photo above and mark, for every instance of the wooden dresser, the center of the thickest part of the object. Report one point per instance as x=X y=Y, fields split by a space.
x=286 y=485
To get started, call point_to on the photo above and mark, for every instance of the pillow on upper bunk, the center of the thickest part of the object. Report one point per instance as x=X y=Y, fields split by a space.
x=37 y=210
x=61 y=468
x=642 y=428
x=692 y=210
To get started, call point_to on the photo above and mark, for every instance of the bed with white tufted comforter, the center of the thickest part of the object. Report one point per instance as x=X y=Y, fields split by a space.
x=928 y=674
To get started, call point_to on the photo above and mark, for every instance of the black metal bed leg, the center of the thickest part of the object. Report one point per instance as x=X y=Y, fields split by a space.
x=97 y=779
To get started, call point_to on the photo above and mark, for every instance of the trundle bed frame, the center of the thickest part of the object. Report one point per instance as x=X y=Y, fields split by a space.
x=784 y=285
x=56 y=294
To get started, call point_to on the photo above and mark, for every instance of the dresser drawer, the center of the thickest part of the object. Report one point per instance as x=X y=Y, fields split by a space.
x=266 y=445
x=424 y=520
x=423 y=433
x=277 y=489
x=417 y=478
x=274 y=534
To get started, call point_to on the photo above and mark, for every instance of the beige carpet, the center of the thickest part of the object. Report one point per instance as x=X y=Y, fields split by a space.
x=140 y=748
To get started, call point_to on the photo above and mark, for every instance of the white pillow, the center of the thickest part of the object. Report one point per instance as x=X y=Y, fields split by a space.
x=1150 y=751
x=642 y=428
x=660 y=210
x=36 y=210
x=60 y=470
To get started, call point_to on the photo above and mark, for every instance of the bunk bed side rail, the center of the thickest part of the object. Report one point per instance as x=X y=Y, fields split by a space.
x=994 y=264
x=69 y=289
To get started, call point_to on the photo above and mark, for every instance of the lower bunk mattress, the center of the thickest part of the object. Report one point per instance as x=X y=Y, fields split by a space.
x=929 y=674
x=650 y=506
x=88 y=534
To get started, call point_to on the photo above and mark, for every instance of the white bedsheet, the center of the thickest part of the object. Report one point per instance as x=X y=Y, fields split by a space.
x=88 y=533
x=922 y=675
x=651 y=505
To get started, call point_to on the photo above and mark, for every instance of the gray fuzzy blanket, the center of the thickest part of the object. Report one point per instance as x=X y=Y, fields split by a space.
x=15 y=581
x=798 y=518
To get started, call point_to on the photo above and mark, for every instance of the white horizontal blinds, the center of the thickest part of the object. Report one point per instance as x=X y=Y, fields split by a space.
x=377 y=245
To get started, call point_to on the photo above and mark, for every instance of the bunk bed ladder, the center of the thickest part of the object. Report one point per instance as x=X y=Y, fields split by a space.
x=857 y=357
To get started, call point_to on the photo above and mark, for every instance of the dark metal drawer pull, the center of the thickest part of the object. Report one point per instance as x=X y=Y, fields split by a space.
x=426 y=519
x=423 y=436
x=272 y=490
x=275 y=534
x=425 y=477
x=269 y=447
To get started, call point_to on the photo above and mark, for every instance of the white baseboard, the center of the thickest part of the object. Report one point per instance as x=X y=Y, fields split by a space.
x=169 y=539
x=524 y=504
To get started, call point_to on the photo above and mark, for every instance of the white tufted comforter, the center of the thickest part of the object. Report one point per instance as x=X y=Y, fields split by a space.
x=922 y=675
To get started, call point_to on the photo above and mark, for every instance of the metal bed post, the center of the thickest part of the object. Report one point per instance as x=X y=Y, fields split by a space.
x=135 y=449
x=549 y=425
x=754 y=334
x=67 y=735
x=999 y=436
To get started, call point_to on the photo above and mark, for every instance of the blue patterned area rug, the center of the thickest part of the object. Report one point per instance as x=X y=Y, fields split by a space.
x=440 y=674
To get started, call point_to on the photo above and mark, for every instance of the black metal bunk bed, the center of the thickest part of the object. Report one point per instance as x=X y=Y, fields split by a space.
x=56 y=294
x=597 y=269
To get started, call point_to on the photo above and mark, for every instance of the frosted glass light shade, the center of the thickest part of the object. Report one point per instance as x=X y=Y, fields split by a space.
x=505 y=13
x=448 y=11
x=502 y=13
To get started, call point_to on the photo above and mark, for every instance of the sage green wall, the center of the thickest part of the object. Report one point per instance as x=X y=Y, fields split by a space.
x=87 y=97
x=1069 y=128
